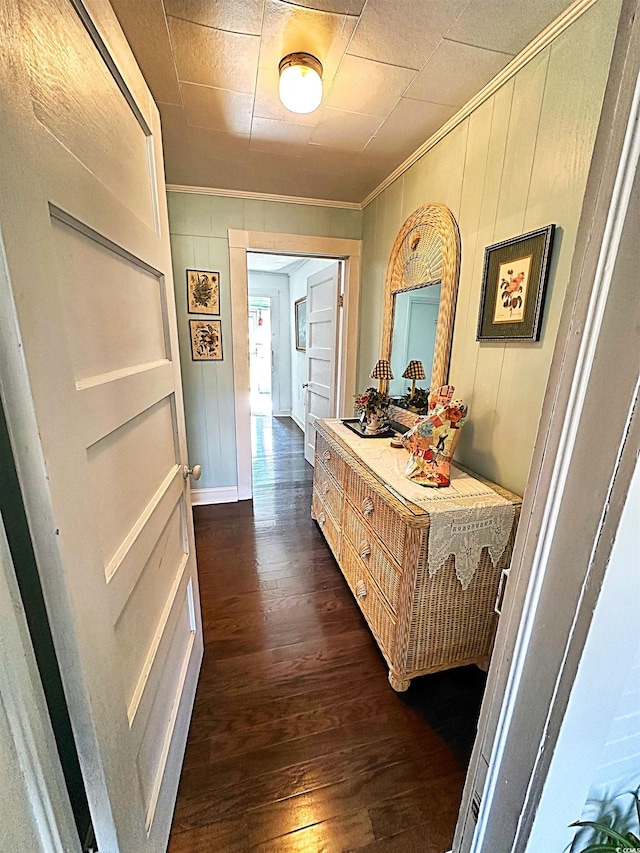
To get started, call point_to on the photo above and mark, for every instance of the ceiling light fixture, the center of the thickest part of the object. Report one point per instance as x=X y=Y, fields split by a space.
x=300 y=82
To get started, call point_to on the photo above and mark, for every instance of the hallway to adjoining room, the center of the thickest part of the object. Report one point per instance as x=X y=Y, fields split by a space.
x=297 y=742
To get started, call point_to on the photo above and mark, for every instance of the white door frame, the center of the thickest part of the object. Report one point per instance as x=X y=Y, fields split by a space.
x=240 y=242
x=34 y=801
x=576 y=490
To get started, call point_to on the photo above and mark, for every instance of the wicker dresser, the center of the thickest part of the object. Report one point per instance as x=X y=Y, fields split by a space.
x=422 y=622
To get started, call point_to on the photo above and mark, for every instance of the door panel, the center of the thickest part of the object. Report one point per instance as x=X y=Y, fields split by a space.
x=322 y=310
x=91 y=299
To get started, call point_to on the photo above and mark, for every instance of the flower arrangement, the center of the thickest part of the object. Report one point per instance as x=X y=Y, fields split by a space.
x=373 y=407
x=370 y=400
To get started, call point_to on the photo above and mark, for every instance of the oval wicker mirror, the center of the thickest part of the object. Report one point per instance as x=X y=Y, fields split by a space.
x=426 y=253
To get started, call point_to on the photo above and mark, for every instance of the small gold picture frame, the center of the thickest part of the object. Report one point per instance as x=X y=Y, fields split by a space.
x=203 y=292
x=206 y=340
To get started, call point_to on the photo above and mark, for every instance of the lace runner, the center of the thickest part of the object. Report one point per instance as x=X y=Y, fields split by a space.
x=464 y=517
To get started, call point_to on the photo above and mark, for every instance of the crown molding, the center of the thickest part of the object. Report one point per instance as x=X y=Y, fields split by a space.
x=539 y=43
x=289 y=199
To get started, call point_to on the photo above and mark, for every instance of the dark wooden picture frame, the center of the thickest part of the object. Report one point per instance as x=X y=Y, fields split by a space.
x=206 y=340
x=203 y=292
x=514 y=282
x=300 y=312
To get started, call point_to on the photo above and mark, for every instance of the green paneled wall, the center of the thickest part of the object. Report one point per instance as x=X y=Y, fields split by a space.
x=198 y=226
x=520 y=161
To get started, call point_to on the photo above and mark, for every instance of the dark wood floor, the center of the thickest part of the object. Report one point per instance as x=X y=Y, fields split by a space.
x=298 y=744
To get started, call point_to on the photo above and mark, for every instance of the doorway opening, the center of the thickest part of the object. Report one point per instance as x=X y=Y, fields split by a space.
x=295 y=330
x=260 y=355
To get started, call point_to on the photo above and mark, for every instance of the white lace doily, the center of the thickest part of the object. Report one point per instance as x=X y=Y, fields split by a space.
x=464 y=517
x=463 y=533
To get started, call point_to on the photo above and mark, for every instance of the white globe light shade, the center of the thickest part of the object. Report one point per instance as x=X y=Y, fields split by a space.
x=300 y=83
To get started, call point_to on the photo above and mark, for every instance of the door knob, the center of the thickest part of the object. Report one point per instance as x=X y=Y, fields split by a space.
x=195 y=472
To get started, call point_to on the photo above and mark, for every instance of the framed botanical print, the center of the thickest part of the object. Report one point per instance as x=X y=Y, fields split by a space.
x=300 y=307
x=203 y=292
x=206 y=340
x=514 y=281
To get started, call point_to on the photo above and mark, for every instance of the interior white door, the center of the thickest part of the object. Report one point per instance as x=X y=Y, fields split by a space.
x=322 y=326
x=89 y=369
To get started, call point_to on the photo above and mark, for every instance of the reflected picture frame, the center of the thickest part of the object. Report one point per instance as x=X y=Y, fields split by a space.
x=300 y=314
x=514 y=283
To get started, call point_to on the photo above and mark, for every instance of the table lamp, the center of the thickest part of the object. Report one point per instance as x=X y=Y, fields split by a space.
x=414 y=370
x=382 y=372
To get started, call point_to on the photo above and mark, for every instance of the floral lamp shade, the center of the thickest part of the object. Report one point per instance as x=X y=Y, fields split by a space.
x=414 y=370
x=382 y=372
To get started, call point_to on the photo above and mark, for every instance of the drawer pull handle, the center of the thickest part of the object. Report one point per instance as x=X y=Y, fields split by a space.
x=365 y=550
x=504 y=576
x=367 y=506
x=361 y=589
x=325 y=488
x=322 y=519
x=326 y=456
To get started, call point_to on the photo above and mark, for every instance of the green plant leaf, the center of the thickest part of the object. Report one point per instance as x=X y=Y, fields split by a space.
x=637 y=799
x=605 y=829
x=633 y=839
x=599 y=848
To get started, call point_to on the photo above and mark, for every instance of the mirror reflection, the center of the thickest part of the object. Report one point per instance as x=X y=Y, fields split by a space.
x=415 y=320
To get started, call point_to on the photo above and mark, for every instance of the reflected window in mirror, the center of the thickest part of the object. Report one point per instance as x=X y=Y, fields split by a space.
x=415 y=322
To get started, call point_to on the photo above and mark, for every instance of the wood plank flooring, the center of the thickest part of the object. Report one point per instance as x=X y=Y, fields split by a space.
x=297 y=743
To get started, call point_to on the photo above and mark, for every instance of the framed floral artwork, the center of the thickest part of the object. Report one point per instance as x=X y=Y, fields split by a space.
x=514 y=282
x=206 y=340
x=203 y=292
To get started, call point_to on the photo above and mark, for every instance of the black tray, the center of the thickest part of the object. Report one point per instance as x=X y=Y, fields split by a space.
x=354 y=425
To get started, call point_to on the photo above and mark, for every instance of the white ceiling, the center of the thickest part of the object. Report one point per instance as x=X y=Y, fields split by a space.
x=283 y=264
x=394 y=72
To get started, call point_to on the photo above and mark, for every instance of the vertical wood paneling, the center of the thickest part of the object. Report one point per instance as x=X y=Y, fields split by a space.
x=370 y=309
x=578 y=68
x=520 y=161
x=464 y=343
x=484 y=362
x=199 y=239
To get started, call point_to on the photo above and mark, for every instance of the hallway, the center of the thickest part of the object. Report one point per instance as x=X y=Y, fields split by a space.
x=297 y=742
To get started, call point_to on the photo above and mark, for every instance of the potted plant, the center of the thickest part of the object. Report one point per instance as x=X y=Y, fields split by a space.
x=418 y=404
x=615 y=840
x=373 y=407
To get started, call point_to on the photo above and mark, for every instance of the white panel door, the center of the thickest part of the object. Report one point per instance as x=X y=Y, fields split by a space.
x=90 y=373
x=322 y=326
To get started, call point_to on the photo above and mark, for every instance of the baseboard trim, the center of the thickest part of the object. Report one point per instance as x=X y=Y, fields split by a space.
x=223 y=495
x=297 y=421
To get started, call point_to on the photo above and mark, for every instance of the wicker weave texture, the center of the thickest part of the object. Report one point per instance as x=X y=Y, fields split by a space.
x=422 y=624
x=329 y=491
x=331 y=458
x=372 y=605
x=331 y=531
x=372 y=556
x=378 y=514
x=427 y=249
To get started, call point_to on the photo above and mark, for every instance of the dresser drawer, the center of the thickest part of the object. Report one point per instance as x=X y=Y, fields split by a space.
x=326 y=524
x=372 y=604
x=330 y=458
x=383 y=570
x=377 y=513
x=330 y=493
